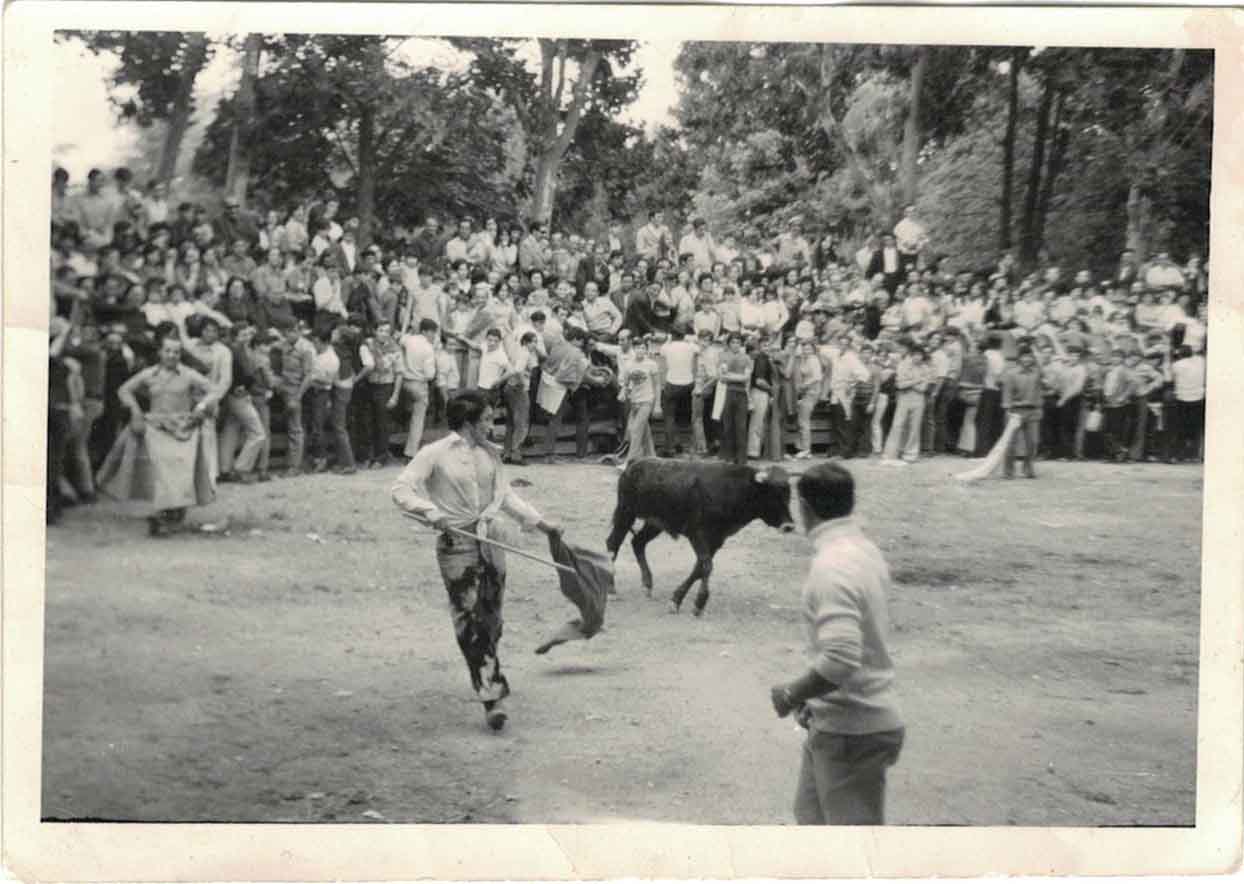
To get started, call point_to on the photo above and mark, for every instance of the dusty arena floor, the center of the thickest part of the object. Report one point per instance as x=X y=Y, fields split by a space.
x=303 y=668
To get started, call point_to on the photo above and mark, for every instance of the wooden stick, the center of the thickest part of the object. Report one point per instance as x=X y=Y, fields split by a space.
x=496 y=543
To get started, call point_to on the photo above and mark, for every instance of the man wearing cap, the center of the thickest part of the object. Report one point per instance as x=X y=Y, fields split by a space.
x=846 y=699
x=699 y=245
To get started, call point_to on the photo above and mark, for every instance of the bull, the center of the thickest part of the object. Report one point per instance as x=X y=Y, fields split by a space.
x=707 y=502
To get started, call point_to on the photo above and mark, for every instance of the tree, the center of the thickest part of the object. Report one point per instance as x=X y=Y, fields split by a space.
x=549 y=112
x=238 y=176
x=912 y=130
x=160 y=69
x=403 y=139
x=1014 y=66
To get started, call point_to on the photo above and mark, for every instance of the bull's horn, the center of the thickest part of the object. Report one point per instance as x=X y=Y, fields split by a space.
x=762 y=476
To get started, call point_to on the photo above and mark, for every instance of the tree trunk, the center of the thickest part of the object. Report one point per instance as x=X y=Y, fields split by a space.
x=237 y=178
x=911 y=128
x=545 y=189
x=1058 y=154
x=367 y=174
x=193 y=59
x=1008 y=152
x=556 y=141
x=1138 y=207
x=1028 y=245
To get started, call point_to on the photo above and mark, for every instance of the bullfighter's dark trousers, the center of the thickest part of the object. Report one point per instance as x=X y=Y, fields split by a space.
x=475 y=581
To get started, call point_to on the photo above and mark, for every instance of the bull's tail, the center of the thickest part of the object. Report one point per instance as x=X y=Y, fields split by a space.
x=623 y=519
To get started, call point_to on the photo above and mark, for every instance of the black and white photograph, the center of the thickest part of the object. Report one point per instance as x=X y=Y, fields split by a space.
x=638 y=428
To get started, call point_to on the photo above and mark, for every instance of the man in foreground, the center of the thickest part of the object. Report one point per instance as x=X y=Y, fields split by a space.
x=846 y=699
x=459 y=482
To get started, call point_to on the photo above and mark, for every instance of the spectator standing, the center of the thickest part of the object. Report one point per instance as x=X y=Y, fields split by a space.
x=911 y=238
x=699 y=245
x=96 y=211
x=761 y=396
x=517 y=393
x=380 y=356
x=297 y=365
x=707 y=367
x=418 y=374
x=240 y=418
x=1118 y=390
x=735 y=377
x=641 y=389
x=1187 y=426
x=653 y=241
x=677 y=358
x=910 y=380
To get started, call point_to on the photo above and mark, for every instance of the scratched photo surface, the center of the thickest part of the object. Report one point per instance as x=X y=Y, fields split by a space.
x=240 y=625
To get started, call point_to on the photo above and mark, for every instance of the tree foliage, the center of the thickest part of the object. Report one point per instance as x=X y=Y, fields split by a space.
x=337 y=111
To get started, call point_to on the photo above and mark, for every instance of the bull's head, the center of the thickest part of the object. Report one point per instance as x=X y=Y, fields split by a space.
x=773 y=498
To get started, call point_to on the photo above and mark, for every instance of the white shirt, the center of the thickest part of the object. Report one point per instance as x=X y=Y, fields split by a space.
x=700 y=248
x=916 y=310
x=1029 y=314
x=911 y=235
x=463 y=483
x=1189 y=377
x=418 y=359
x=492 y=365
x=602 y=315
x=889 y=260
x=325 y=368
x=679 y=360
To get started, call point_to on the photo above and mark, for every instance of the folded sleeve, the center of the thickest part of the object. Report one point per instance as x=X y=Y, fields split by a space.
x=410 y=490
x=520 y=510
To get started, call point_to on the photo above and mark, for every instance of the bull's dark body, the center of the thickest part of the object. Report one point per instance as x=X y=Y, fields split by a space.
x=704 y=501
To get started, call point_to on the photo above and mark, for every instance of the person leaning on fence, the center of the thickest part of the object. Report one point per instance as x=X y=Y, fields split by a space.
x=459 y=482
x=846 y=699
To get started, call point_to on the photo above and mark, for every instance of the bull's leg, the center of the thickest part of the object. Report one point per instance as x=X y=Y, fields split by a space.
x=704 y=554
x=680 y=593
x=622 y=521
x=701 y=597
x=639 y=540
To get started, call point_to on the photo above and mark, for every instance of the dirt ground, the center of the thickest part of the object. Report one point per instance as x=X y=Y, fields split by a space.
x=303 y=667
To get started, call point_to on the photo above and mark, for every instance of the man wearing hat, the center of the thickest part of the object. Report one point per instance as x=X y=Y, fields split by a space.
x=699 y=245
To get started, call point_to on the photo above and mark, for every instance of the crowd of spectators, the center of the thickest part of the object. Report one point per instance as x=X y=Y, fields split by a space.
x=749 y=339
